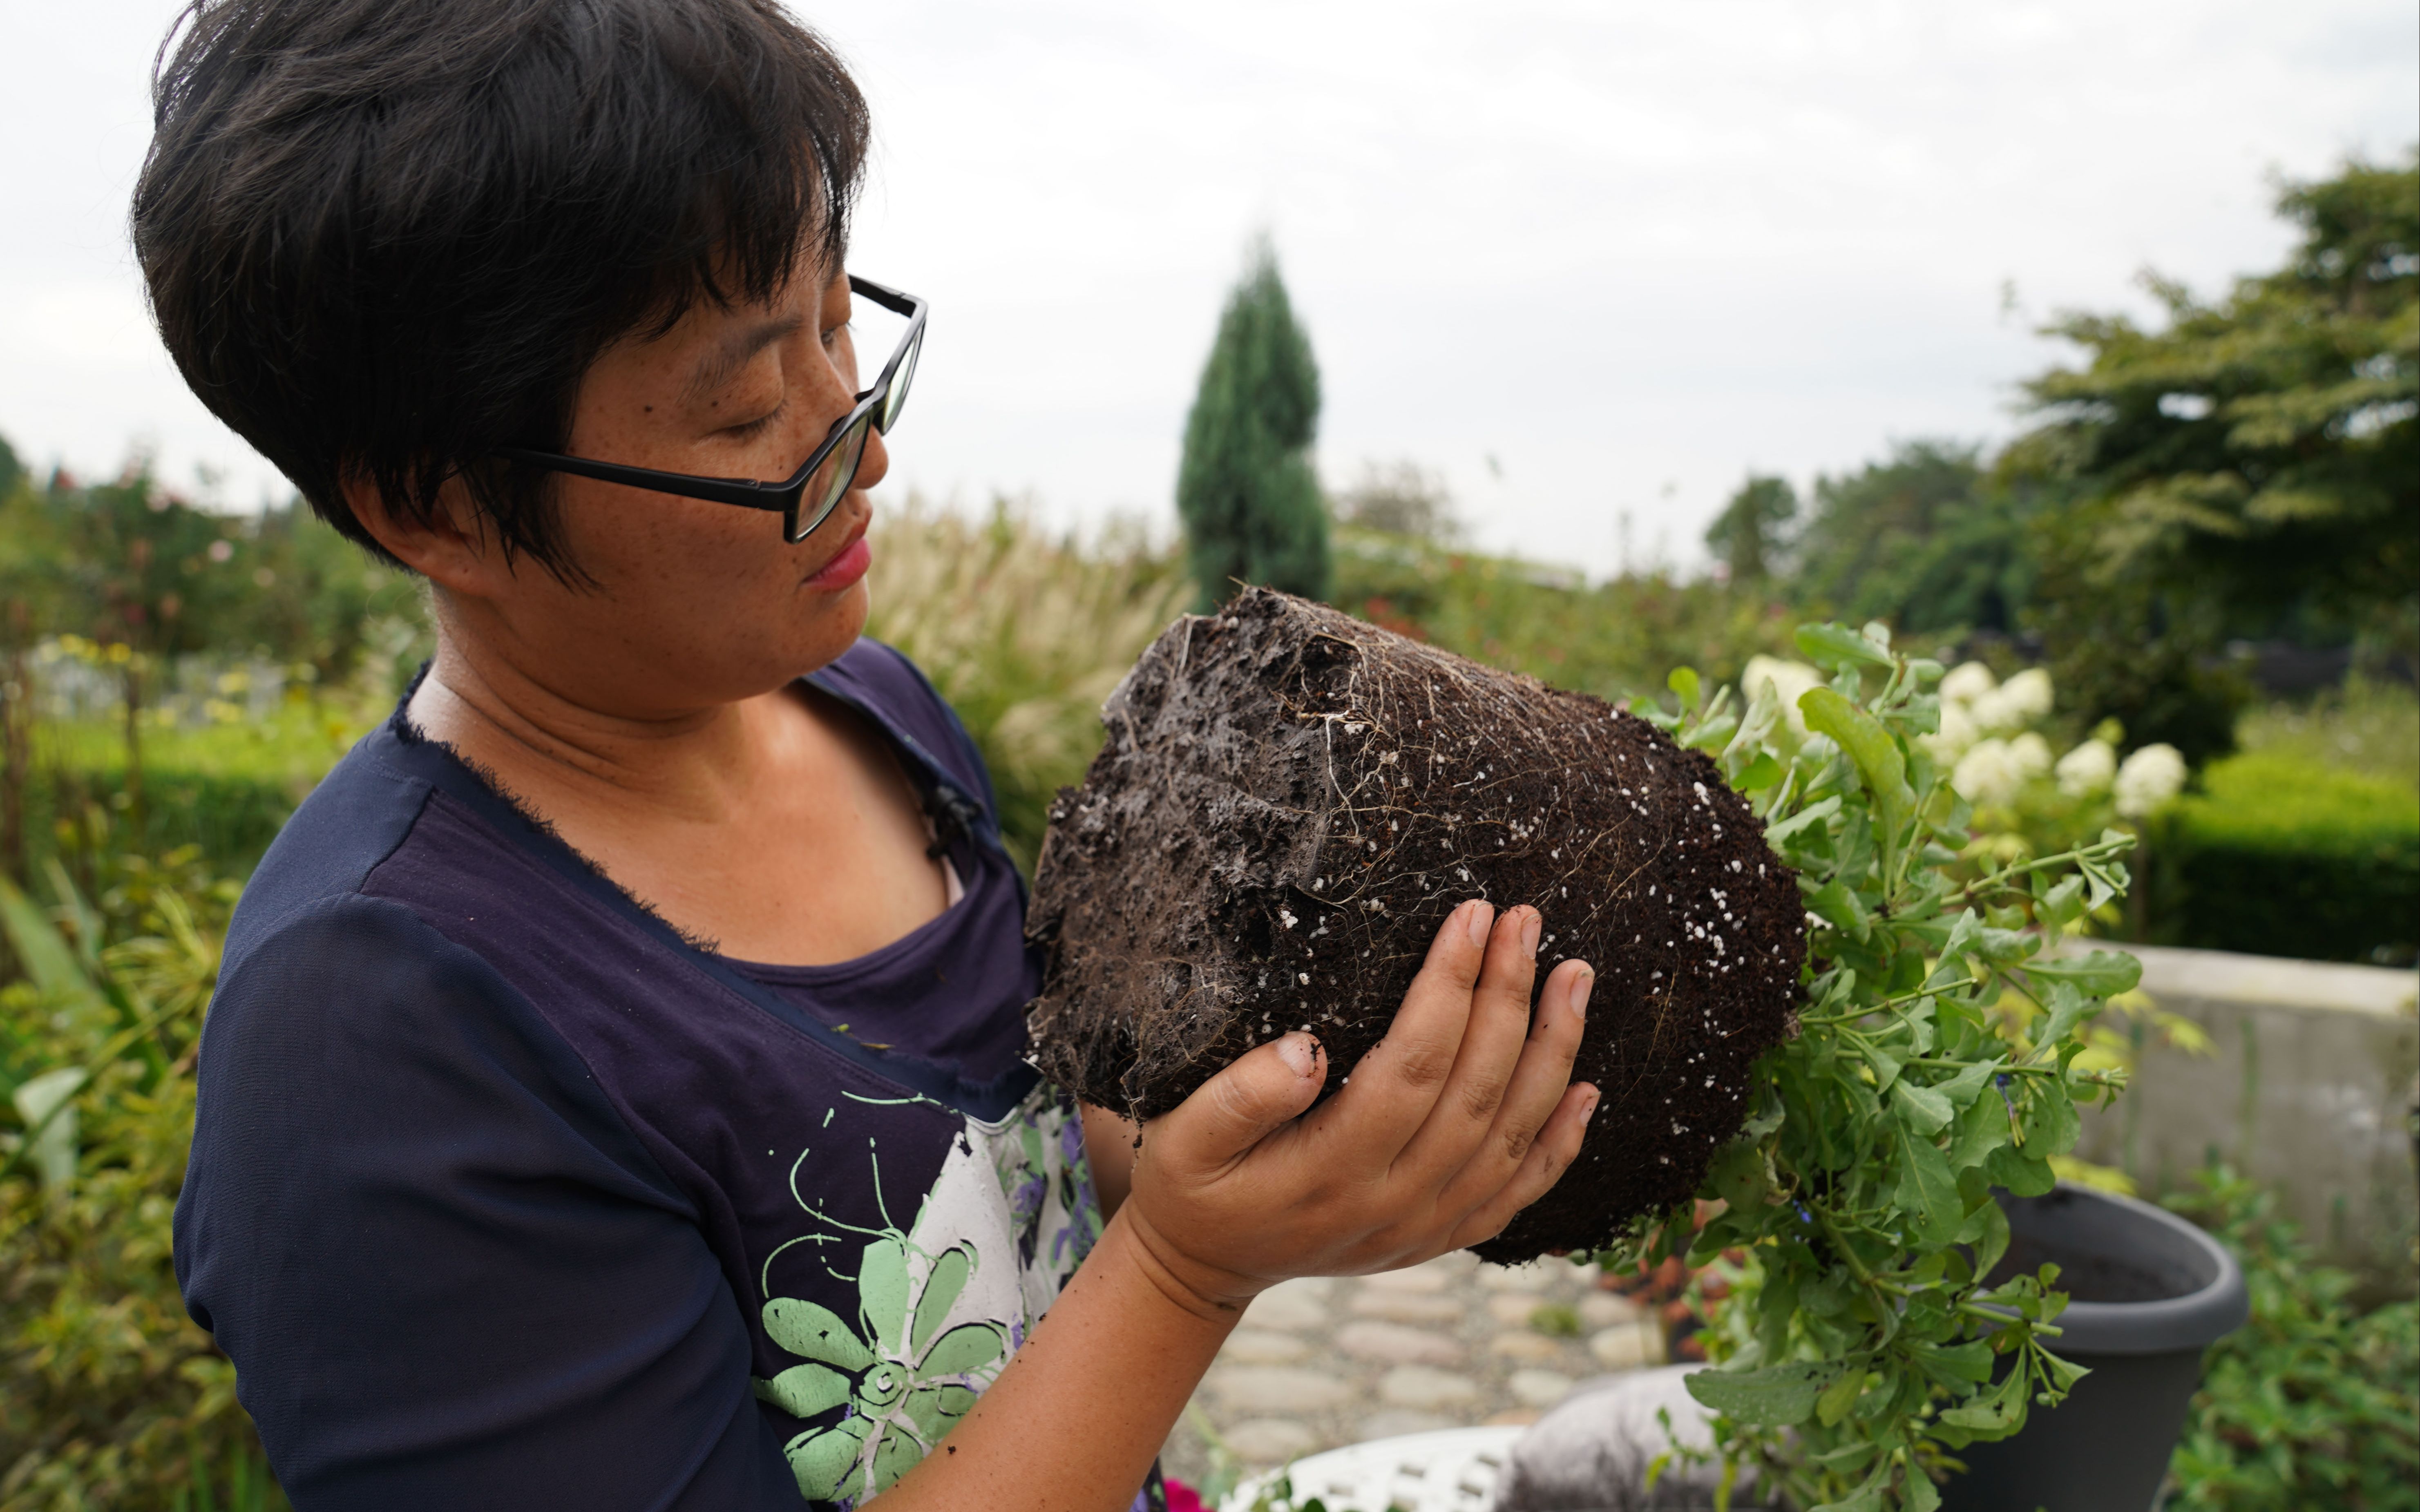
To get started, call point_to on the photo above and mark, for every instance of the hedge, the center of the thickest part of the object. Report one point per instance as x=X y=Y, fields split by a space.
x=2278 y=855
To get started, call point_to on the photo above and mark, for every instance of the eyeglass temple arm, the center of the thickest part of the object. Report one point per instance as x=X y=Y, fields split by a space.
x=744 y=492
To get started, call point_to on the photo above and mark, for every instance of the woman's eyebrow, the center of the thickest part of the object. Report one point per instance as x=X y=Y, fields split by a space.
x=717 y=367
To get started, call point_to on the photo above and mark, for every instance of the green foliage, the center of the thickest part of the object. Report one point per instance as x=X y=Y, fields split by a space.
x=1935 y=1061
x=134 y=583
x=1746 y=535
x=1245 y=488
x=1614 y=639
x=2280 y=856
x=2136 y=648
x=1926 y=539
x=110 y=1396
x=2311 y=1405
x=2253 y=467
x=2263 y=449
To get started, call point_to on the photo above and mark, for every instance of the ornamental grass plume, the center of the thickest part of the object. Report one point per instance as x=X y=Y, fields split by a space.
x=1023 y=632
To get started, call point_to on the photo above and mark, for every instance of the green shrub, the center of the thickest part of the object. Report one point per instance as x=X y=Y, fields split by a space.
x=2282 y=856
x=2310 y=1405
x=110 y=1396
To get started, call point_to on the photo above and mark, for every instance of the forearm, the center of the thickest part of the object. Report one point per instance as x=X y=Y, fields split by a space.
x=1073 y=1423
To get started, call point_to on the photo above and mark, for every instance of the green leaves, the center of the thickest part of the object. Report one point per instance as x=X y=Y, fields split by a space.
x=2101 y=974
x=1839 y=647
x=2048 y=1123
x=1994 y=1415
x=1926 y=1190
x=1858 y=1343
x=1924 y=1109
x=1879 y=762
x=1776 y=1396
x=1805 y=819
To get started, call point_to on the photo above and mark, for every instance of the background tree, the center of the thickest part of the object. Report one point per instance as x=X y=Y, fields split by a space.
x=1747 y=534
x=2262 y=449
x=1245 y=489
x=1927 y=539
x=2250 y=470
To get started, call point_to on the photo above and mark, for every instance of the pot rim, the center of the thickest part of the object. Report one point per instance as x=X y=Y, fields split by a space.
x=2191 y=1322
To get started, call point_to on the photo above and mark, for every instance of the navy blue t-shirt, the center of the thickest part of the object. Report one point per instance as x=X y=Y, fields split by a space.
x=504 y=1194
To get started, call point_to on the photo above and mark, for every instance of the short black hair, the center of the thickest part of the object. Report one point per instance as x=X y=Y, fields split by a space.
x=384 y=238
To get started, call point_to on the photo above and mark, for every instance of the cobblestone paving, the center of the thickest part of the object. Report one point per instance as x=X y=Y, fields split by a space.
x=1316 y=1363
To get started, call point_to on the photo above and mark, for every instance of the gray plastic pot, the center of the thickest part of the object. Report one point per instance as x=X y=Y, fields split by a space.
x=2151 y=1292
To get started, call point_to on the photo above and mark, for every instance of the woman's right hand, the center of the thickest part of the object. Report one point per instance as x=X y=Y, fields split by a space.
x=1455 y=1122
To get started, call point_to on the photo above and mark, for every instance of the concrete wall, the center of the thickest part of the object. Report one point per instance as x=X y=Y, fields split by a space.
x=2312 y=1088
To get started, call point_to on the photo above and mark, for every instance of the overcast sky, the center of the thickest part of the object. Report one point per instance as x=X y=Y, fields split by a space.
x=1626 y=251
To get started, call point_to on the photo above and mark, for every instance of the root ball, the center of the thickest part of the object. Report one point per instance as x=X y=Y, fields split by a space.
x=1290 y=803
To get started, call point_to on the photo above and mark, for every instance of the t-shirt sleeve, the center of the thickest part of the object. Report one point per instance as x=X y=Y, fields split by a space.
x=447 y=1271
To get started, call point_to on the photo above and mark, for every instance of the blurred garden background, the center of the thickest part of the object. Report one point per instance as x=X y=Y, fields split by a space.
x=2183 y=599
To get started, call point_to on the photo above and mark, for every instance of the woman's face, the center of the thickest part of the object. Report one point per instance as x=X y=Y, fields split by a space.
x=690 y=603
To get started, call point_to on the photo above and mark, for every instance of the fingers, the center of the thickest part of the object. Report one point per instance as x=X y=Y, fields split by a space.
x=1394 y=1086
x=1255 y=1096
x=1536 y=1088
x=1492 y=1040
x=1550 y=1155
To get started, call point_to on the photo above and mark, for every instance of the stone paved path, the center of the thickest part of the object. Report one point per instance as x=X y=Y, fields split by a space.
x=1317 y=1364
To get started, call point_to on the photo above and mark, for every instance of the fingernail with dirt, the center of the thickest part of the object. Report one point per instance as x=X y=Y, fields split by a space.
x=1300 y=1052
x=1476 y=918
x=1583 y=984
x=1529 y=927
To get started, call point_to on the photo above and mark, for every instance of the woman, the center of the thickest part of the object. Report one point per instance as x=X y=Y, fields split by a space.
x=614 y=1095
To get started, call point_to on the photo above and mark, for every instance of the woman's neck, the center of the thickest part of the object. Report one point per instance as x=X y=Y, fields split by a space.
x=545 y=742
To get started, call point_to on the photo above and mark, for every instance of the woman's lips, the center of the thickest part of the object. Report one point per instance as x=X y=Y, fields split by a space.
x=845 y=568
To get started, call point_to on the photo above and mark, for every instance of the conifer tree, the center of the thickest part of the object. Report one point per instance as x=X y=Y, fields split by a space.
x=1245 y=489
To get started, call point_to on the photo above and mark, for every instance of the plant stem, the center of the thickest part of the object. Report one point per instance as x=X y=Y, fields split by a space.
x=2098 y=851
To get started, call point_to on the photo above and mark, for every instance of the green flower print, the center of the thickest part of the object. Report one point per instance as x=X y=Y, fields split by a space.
x=906 y=1381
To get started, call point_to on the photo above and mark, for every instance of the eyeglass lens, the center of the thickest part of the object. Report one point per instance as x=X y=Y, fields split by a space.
x=898 y=398
x=829 y=485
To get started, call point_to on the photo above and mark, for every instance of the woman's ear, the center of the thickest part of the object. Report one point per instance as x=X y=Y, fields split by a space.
x=453 y=547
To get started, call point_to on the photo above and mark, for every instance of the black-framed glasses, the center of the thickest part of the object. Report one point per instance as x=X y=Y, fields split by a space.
x=807 y=498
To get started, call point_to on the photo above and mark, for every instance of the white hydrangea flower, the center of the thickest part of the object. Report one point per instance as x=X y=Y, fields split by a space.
x=1789 y=679
x=2031 y=753
x=2149 y=780
x=1966 y=683
x=1958 y=731
x=1989 y=773
x=2085 y=771
x=1994 y=715
x=2027 y=695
